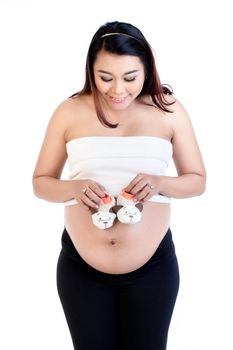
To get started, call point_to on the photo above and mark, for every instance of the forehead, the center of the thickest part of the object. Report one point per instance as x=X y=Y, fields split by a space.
x=120 y=63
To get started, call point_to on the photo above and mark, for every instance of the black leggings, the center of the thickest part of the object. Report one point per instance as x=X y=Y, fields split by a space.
x=130 y=311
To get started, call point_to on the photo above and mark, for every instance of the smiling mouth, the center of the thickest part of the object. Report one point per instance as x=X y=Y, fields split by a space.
x=117 y=99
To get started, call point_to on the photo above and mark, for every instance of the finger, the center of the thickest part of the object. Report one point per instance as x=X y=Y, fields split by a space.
x=89 y=203
x=149 y=194
x=133 y=183
x=97 y=189
x=147 y=197
x=131 y=187
x=139 y=187
x=83 y=205
x=89 y=195
x=141 y=196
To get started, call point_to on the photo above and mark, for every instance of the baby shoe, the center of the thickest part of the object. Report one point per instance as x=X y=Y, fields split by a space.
x=103 y=217
x=128 y=211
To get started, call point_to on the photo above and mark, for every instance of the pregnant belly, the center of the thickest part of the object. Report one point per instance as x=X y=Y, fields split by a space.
x=123 y=247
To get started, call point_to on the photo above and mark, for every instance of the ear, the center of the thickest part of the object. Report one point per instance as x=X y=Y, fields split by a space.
x=111 y=210
x=116 y=208
x=139 y=206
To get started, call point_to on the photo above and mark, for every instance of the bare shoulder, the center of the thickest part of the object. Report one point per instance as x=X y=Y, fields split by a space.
x=179 y=119
x=69 y=112
x=67 y=108
x=54 y=144
x=176 y=106
x=61 y=112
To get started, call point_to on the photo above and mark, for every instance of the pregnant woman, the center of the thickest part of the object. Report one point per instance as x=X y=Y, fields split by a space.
x=117 y=272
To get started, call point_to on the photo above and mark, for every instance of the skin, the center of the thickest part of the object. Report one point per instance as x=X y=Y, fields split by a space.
x=120 y=85
x=119 y=80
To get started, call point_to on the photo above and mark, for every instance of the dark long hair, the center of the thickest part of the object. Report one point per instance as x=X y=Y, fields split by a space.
x=124 y=39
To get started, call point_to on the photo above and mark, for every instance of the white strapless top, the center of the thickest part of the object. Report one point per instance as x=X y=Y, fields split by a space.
x=113 y=161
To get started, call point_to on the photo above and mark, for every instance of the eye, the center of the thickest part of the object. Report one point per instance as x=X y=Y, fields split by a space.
x=130 y=79
x=105 y=79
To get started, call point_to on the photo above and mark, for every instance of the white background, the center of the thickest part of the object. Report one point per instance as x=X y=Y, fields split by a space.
x=43 y=51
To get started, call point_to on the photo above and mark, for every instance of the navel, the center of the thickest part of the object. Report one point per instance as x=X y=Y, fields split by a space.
x=113 y=241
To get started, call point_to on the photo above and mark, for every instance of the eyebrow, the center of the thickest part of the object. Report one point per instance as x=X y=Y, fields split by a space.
x=105 y=72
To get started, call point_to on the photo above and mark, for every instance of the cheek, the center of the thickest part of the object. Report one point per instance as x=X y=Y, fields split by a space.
x=138 y=86
x=101 y=86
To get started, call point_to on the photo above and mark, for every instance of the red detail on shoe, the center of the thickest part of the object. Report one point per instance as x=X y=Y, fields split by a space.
x=106 y=199
x=127 y=195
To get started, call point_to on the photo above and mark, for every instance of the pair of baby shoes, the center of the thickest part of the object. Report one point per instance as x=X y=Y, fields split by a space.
x=123 y=207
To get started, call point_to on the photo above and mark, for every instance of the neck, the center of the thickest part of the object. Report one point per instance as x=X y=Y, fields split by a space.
x=119 y=116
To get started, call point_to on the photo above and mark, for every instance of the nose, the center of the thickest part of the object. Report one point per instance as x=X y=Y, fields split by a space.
x=118 y=88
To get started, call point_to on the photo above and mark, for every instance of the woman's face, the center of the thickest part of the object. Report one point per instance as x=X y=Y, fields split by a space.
x=118 y=78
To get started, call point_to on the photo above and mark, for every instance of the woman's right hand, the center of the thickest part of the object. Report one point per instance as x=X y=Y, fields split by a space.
x=89 y=193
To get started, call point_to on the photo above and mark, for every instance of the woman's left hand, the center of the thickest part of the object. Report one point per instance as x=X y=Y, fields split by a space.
x=144 y=186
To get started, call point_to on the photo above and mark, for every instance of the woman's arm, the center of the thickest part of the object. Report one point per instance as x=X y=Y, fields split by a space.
x=52 y=157
x=187 y=158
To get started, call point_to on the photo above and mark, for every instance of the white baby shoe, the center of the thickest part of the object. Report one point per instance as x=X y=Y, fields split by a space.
x=103 y=217
x=128 y=211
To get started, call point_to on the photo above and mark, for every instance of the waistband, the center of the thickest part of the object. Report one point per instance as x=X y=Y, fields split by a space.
x=165 y=249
